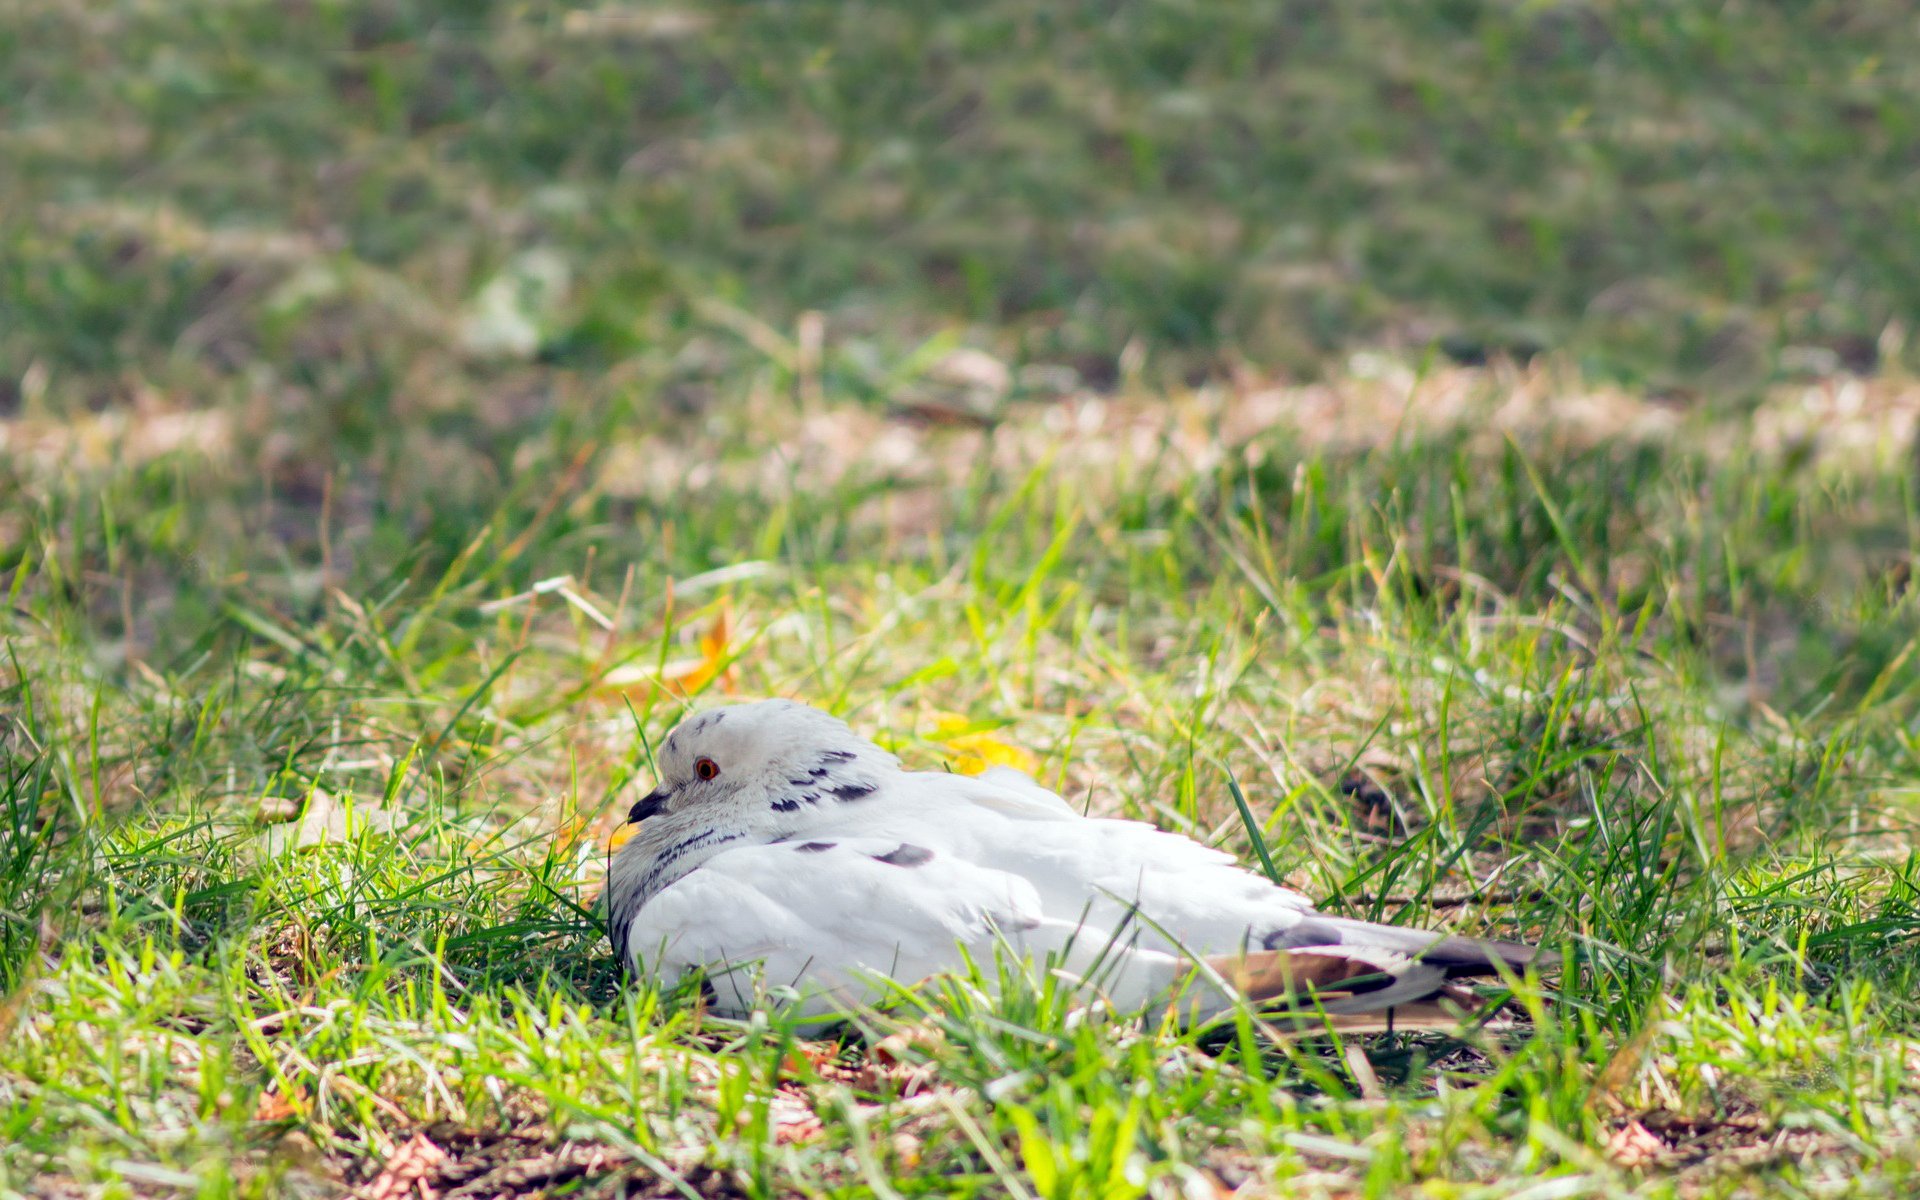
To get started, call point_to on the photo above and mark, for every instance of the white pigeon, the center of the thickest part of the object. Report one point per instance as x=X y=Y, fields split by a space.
x=787 y=859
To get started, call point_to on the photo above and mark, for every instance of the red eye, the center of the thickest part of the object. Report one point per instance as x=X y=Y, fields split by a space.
x=705 y=768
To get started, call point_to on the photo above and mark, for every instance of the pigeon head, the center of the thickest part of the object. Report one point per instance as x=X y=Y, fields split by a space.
x=743 y=773
x=759 y=766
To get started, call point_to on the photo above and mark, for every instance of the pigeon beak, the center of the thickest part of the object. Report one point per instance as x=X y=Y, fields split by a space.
x=651 y=804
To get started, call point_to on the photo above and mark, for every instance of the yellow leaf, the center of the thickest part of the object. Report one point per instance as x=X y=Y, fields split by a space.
x=975 y=750
x=686 y=676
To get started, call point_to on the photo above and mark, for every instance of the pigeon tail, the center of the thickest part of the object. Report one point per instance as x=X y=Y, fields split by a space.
x=1470 y=956
x=1461 y=957
x=1366 y=989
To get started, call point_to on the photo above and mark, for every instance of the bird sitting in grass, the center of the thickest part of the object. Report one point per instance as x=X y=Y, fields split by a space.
x=789 y=860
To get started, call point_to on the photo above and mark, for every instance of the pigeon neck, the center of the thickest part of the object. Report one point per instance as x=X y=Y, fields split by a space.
x=635 y=880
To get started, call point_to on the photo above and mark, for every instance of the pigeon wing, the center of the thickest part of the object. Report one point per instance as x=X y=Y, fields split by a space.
x=1183 y=898
x=827 y=918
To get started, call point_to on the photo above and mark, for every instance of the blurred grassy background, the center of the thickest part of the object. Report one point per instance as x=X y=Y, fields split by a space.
x=408 y=266
x=1694 y=195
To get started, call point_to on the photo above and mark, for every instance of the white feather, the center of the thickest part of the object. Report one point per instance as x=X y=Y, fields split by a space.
x=812 y=865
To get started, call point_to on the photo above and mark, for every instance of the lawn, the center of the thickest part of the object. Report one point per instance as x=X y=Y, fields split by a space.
x=1485 y=435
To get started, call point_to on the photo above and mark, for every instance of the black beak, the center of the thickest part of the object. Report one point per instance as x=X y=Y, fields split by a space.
x=650 y=805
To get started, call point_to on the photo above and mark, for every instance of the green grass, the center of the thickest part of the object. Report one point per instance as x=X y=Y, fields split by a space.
x=1433 y=718
x=954 y=358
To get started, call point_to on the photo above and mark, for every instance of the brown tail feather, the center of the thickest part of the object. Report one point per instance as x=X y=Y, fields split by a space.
x=1294 y=975
x=1294 y=985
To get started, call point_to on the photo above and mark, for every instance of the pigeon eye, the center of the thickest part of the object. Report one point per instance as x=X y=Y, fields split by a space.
x=706 y=768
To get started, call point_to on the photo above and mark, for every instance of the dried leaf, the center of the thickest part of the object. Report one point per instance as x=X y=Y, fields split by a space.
x=898 y=1062
x=327 y=819
x=275 y=809
x=274 y=1105
x=910 y=1045
x=406 y=1171
x=806 y=1060
x=792 y=1119
x=1633 y=1146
